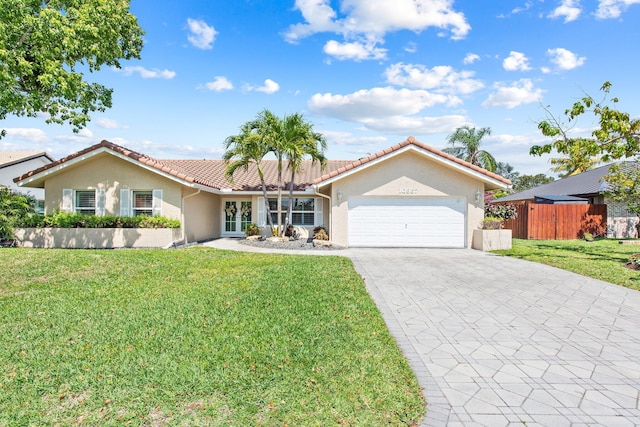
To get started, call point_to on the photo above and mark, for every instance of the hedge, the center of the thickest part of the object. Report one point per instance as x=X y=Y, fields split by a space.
x=75 y=220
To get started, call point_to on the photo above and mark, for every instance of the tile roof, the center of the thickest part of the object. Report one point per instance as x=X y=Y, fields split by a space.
x=211 y=173
x=8 y=158
x=584 y=184
x=409 y=141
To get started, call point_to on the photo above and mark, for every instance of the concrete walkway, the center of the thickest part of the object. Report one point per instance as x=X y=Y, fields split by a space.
x=499 y=341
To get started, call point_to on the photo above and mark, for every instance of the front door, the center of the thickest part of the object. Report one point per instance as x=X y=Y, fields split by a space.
x=236 y=215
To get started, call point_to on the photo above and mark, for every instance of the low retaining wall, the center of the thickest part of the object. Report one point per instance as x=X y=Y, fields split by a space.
x=96 y=238
x=491 y=240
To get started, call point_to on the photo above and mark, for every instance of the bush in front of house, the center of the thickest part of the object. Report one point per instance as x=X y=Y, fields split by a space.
x=75 y=220
x=15 y=207
x=252 y=230
x=492 y=223
x=320 y=233
x=505 y=211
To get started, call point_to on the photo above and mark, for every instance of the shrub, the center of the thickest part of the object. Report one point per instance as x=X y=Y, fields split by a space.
x=320 y=233
x=252 y=230
x=492 y=223
x=15 y=207
x=75 y=220
x=634 y=259
x=503 y=211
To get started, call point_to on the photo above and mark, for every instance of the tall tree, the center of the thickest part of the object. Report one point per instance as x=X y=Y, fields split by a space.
x=577 y=160
x=290 y=139
x=248 y=148
x=524 y=182
x=506 y=170
x=465 y=145
x=616 y=137
x=300 y=142
x=46 y=47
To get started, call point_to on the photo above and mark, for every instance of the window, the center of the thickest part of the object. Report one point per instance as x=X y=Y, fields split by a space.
x=85 y=202
x=142 y=203
x=302 y=210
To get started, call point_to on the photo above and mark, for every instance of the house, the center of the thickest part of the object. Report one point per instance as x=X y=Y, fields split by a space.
x=585 y=188
x=14 y=163
x=409 y=195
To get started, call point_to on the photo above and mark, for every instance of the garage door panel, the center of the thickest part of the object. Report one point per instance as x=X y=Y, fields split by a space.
x=407 y=222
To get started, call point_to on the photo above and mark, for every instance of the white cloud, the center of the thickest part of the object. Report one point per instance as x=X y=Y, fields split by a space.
x=613 y=8
x=84 y=136
x=219 y=84
x=569 y=9
x=147 y=74
x=105 y=123
x=202 y=35
x=411 y=47
x=405 y=125
x=565 y=59
x=516 y=61
x=27 y=134
x=347 y=138
x=377 y=103
x=371 y=20
x=442 y=78
x=518 y=93
x=269 y=87
x=471 y=58
x=357 y=51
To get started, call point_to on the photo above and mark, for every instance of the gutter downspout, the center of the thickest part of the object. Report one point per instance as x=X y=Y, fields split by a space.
x=316 y=192
x=184 y=227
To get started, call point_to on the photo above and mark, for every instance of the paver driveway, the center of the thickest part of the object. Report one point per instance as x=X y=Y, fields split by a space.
x=500 y=341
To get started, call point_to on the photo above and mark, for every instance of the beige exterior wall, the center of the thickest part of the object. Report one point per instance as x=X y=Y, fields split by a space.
x=112 y=174
x=97 y=238
x=407 y=174
x=201 y=215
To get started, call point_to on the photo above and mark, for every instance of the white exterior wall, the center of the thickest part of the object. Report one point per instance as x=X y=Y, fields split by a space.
x=8 y=173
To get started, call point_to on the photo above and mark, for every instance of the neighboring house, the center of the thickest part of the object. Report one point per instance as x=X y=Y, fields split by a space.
x=14 y=163
x=587 y=187
x=409 y=195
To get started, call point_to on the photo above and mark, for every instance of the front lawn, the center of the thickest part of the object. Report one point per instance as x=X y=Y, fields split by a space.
x=195 y=337
x=601 y=259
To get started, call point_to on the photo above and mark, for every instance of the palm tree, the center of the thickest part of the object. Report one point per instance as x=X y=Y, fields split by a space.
x=468 y=149
x=290 y=139
x=579 y=159
x=245 y=149
x=299 y=141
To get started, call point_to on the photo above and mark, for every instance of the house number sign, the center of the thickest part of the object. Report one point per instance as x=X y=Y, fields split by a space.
x=408 y=191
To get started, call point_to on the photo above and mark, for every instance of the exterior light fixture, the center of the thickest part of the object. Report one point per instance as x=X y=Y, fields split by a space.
x=478 y=195
x=339 y=195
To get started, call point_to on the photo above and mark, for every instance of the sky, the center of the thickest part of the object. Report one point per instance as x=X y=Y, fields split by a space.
x=366 y=73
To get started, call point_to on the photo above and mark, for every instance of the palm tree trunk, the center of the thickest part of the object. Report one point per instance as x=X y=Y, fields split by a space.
x=280 y=230
x=267 y=209
x=290 y=204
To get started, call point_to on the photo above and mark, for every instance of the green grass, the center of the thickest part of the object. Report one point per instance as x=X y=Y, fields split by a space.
x=195 y=337
x=602 y=259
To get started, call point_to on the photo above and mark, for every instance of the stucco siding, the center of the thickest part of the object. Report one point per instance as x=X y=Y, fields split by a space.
x=112 y=174
x=201 y=216
x=405 y=175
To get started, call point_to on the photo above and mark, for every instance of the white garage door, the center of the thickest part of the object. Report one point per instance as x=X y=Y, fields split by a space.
x=431 y=222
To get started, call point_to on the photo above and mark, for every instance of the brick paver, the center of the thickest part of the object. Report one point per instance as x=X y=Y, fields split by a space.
x=499 y=341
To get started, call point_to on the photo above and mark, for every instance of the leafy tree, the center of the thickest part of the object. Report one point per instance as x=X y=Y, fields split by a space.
x=617 y=136
x=524 y=182
x=577 y=160
x=290 y=139
x=506 y=170
x=465 y=145
x=46 y=47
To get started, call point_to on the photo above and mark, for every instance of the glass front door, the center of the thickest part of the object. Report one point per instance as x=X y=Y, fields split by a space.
x=237 y=215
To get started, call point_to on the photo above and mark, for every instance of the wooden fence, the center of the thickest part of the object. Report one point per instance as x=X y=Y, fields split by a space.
x=557 y=222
